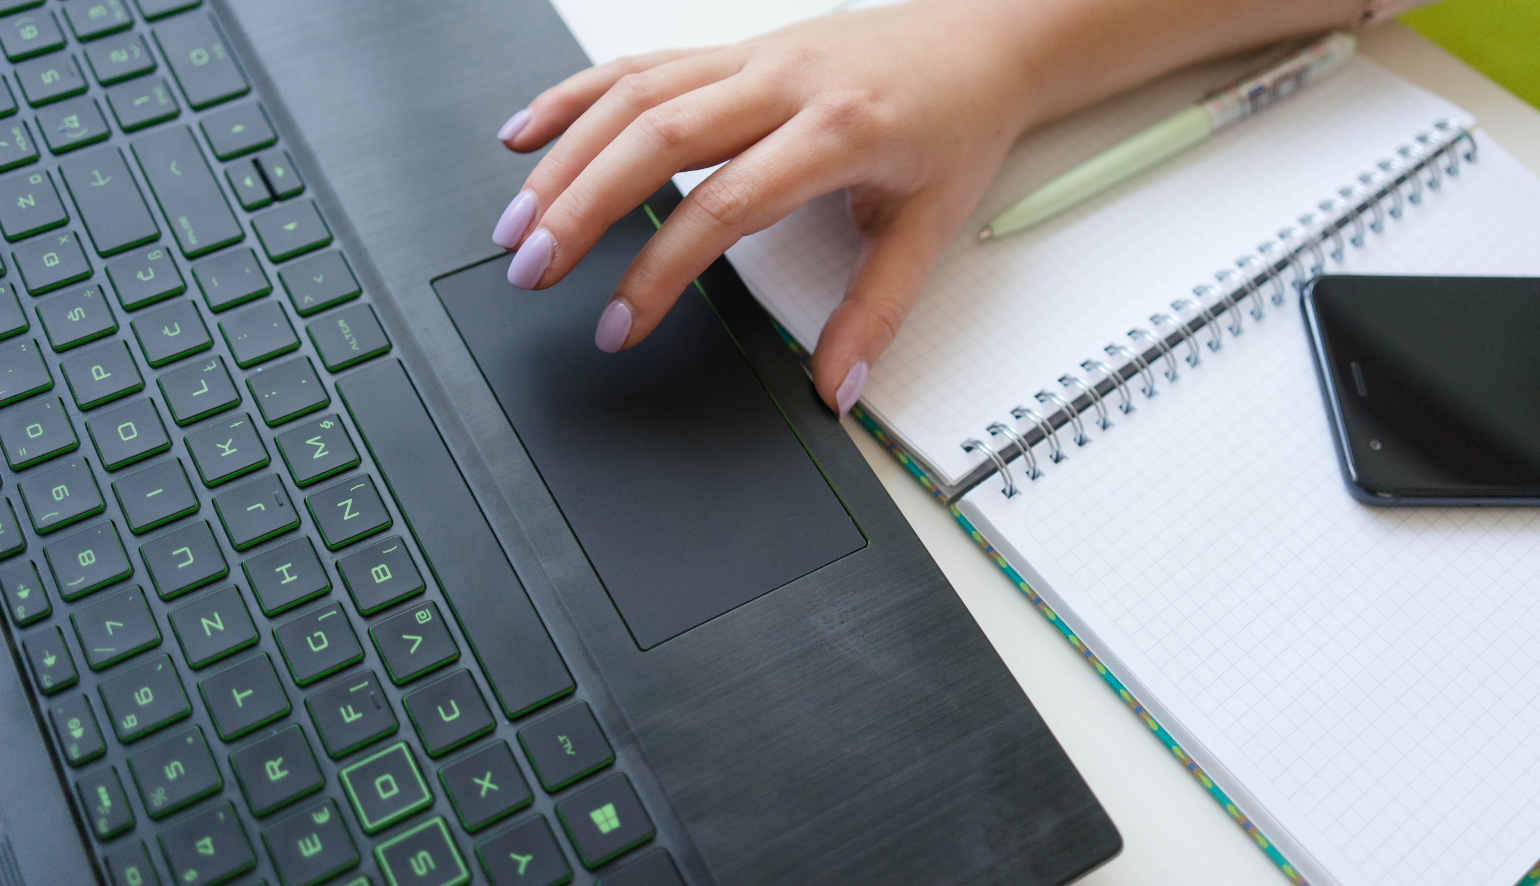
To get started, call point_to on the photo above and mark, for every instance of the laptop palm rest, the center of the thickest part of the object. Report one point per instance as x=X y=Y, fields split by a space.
x=681 y=479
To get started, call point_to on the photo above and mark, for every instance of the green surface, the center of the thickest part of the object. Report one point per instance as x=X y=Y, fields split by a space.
x=1499 y=38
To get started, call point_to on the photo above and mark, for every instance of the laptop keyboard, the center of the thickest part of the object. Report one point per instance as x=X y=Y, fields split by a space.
x=270 y=632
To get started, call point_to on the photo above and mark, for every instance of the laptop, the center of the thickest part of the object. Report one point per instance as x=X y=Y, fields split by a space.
x=328 y=557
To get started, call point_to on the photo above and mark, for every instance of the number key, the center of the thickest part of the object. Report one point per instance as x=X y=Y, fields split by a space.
x=207 y=847
x=22 y=372
x=72 y=124
x=33 y=33
x=50 y=79
x=60 y=493
x=143 y=698
x=317 y=644
x=119 y=58
x=140 y=103
x=114 y=627
x=29 y=204
x=413 y=643
x=36 y=431
x=90 y=19
x=87 y=560
x=16 y=146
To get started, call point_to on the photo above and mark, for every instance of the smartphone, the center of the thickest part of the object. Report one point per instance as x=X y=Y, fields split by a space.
x=1432 y=385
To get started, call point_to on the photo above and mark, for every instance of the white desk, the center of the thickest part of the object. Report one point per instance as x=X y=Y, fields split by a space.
x=1172 y=830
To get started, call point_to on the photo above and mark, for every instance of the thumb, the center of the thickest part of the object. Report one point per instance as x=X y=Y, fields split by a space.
x=887 y=279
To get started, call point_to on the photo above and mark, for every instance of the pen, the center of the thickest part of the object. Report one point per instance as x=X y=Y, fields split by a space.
x=1175 y=134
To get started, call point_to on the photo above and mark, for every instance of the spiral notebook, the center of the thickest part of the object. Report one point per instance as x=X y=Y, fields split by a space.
x=1121 y=409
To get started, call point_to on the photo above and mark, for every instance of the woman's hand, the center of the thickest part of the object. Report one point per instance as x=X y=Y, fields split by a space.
x=910 y=108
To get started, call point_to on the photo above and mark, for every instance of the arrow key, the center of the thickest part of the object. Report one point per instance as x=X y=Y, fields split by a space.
x=413 y=643
x=247 y=184
x=114 y=627
x=237 y=130
x=290 y=230
x=278 y=171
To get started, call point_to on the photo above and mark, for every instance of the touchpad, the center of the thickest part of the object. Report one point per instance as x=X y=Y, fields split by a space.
x=681 y=479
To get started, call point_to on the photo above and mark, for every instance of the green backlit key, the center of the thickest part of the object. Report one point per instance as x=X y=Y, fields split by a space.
x=317 y=449
x=7 y=100
x=200 y=60
x=29 y=204
x=244 y=696
x=13 y=320
x=485 y=787
x=101 y=792
x=154 y=496
x=12 y=541
x=143 y=697
x=101 y=373
x=115 y=626
x=119 y=58
x=22 y=373
x=53 y=669
x=246 y=182
x=524 y=853
x=278 y=172
x=237 y=130
x=174 y=772
x=25 y=599
x=285 y=576
x=185 y=188
x=276 y=770
x=90 y=19
x=254 y=511
x=16 y=145
x=311 y=844
x=565 y=745
x=424 y=856
x=198 y=390
x=131 y=864
x=208 y=847
x=71 y=319
x=347 y=511
x=348 y=337
x=213 y=625
x=604 y=819
x=60 y=493
x=380 y=575
x=171 y=332
x=49 y=79
x=350 y=714
x=183 y=559
x=258 y=334
x=226 y=450
x=231 y=278
x=290 y=230
x=448 y=713
x=386 y=787
x=414 y=642
x=114 y=212
x=319 y=282
x=144 y=277
x=71 y=125
x=31 y=33
x=86 y=560
x=287 y=390
x=46 y=263
x=140 y=103
x=127 y=433
x=75 y=726
x=36 y=431
x=318 y=644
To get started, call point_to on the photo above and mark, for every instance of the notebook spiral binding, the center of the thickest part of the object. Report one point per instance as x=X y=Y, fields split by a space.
x=1301 y=252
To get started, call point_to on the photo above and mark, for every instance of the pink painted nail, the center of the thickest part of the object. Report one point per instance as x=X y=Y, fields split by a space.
x=510 y=130
x=614 y=326
x=515 y=219
x=850 y=389
x=530 y=262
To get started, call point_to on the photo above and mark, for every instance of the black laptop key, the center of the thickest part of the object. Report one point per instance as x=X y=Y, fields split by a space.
x=174 y=772
x=254 y=511
x=171 y=332
x=347 y=511
x=423 y=856
x=348 y=337
x=350 y=714
x=650 y=868
x=318 y=644
x=200 y=60
x=246 y=182
x=524 y=855
x=236 y=130
x=244 y=697
x=207 y=848
x=101 y=373
x=114 y=212
x=115 y=626
x=12 y=541
x=287 y=575
x=154 y=496
x=258 y=333
x=87 y=560
x=565 y=745
x=231 y=278
x=276 y=770
x=60 y=493
x=130 y=865
x=29 y=204
x=13 y=320
x=36 y=431
x=414 y=642
x=278 y=173
x=198 y=390
x=214 y=624
x=25 y=599
x=71 y=125
x=496 y=617
x=153 y=9
x=90 y=19
x=75 y=726
x=101 y=792
x=119 y=58
x=448 y=713
x=31 y=33
x=485 y=787
x=141 y=698
x=22 y=372
x=604 y=819
x=144 y=277
x=183 y=559
x=380 y=575
x=16 y=146
x=319 y=282
x=291 y=229
x=53 y=669
x=49 y=262
x=7 y=100
x=386 y=787
x=226 y=450
x=310 y=844
x=140 y=103
x=71 y=319
x=185 y=188
x=317 y=449
x=288 y=390
x=127 y=433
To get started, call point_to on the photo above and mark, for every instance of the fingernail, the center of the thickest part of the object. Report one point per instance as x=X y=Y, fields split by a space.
x=510 y=129
x=515 y=219
x=850 y=389
x=614 y=326
x=530 y=262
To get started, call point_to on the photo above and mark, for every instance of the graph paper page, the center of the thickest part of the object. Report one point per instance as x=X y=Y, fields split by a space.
x=1358 y=679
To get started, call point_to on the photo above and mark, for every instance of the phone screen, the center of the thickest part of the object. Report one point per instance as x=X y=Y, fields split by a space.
x=1434 y=382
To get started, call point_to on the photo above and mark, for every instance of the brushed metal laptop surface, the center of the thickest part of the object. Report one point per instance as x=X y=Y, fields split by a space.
x=851 y=725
